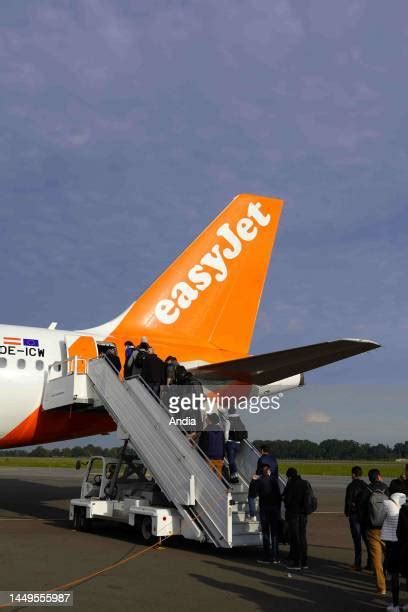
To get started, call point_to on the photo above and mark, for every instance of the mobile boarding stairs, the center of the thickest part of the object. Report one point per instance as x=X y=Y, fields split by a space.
x=192 y=501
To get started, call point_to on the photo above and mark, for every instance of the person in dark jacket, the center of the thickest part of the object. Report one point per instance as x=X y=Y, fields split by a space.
x=190 y=387
x=267 y=489
x=134 y=363
x=373 y=532
x=400 y=485
x=113 y=359
x=294 y=497
x=354 y=488
x=170 y=365
x=212 y=443
x=152 y=371
x=402 y=535
x=267 y=458
x=168 y=388
x=129 y=348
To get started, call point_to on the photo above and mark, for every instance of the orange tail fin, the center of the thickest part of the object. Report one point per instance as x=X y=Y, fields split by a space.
x=210 y=294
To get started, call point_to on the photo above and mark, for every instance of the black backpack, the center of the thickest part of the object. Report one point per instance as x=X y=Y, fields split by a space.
x=170 y=371
x=310 y=500
x=139 y=359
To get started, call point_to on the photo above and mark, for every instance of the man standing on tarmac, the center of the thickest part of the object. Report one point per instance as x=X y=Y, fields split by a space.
x=371 y=511
x=267 y=488
x=400 y=485
x=295 y=496
x=356 y=486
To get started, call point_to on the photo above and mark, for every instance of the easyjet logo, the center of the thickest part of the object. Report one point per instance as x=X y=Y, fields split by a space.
x=213 y=265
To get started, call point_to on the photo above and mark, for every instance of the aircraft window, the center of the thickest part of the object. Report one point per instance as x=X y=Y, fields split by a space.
x=21 y=364
x=57 y=367
x=39 y=365
x=3 y=362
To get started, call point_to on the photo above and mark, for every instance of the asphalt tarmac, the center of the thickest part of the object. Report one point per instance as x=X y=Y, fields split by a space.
x=40 y=551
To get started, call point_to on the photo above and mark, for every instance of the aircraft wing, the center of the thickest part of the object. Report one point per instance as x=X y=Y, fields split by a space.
x=271 y=367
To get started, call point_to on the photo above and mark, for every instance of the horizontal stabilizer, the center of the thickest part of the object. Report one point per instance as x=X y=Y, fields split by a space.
x=271 y=367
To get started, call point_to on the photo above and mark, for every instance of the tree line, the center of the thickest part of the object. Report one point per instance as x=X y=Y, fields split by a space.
x=285 y=449
x=75 y=451
x=333 y=449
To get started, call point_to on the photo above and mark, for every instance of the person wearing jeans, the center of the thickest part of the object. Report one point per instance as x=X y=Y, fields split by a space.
x=372 y=524
x=358 y=535
x=266 y=458
x=235 y=433
x=294 y=497
x=297 y=524
x=252 y=494
x=232 y=450
x=354 y=489
x=393 y=552
x=267 y=488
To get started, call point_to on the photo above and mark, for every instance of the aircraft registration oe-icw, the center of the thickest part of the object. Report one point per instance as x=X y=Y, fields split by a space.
x=202 y=309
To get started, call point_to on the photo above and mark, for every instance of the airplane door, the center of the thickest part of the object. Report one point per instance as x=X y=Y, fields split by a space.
x=83 y=347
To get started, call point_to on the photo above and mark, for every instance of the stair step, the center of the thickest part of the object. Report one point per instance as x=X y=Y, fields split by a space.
x=247 y=539
x=244 y=527
x=239 y=488
x=238 y=516
x=241 y=506
x=239 y=495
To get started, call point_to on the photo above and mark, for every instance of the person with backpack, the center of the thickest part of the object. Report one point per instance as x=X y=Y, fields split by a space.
x=134 y=364
x=371 y=511
x=212 y=443
x=152 y=370
x=267 y=489
x=113 y=359
x=299 y=502
x=129 y=348
x=167 y=389
x=350 y=510
x=235 y=433
x=389 y=536
x=170 y=365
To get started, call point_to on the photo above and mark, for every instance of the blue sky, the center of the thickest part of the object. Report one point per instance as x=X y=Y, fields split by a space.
x=126 y=127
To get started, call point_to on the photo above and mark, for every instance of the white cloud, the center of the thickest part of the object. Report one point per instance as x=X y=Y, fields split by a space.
x=317 y=416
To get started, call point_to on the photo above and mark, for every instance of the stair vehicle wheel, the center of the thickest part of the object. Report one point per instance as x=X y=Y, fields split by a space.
x=146 y=530
x=81 y=523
